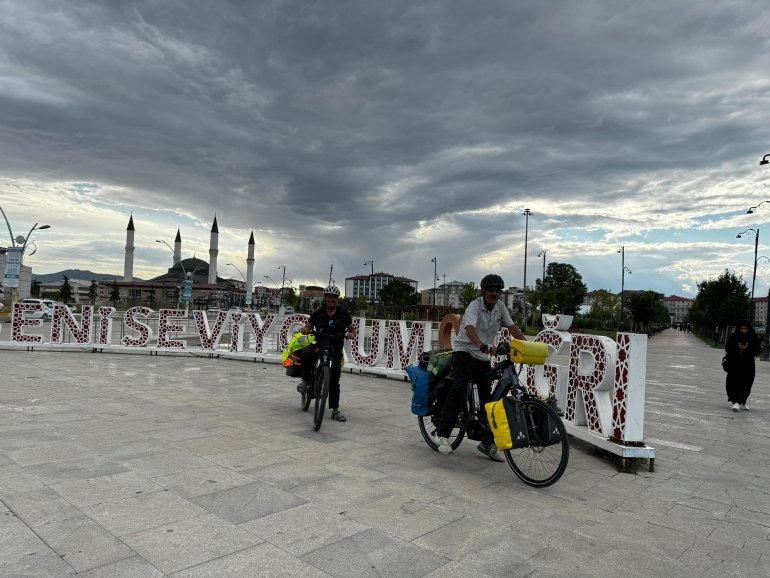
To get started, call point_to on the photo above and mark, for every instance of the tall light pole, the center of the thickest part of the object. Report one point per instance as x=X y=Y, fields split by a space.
x=241 y=273
x=623 y=270
x=542 y=285
x=754 y=276
x=275 y=286
x=526 y=213
x=283 y=280
x=435 y=264
x=443 y=293
x=371 y=280
x=14 y=256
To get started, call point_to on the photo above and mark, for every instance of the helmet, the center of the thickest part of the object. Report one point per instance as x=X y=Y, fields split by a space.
x=332 y=290
x=492 y=282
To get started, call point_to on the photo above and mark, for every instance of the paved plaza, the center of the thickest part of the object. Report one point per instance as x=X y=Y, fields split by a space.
x=144 y=466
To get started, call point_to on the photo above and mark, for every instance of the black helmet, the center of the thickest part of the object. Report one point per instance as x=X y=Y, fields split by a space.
x=492 y=282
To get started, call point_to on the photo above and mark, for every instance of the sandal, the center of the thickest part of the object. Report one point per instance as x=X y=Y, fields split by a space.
x=338 y=415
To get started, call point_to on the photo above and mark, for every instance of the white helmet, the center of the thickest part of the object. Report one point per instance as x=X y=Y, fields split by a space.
x=332 y=290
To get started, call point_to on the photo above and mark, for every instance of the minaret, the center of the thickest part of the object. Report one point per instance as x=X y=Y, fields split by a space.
x=177 y=248
x=213 y=251
x=250 y=270
x=128 y=263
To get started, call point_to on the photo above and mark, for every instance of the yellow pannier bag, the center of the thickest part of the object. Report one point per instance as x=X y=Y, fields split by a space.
x=528 y=352
x=508 y=423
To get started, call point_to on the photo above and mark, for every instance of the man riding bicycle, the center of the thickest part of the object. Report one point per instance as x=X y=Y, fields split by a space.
x=335 y=321
x=474 y=344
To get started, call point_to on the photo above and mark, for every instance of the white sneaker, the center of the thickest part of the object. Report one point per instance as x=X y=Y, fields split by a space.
x=744 y=407
x=443 y=445
x=490 y=451
x=736 y=407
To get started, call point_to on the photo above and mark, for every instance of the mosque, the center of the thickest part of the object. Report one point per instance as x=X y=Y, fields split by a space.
x=208 y=289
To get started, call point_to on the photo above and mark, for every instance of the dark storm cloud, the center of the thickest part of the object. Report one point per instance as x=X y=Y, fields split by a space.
x=390 y=130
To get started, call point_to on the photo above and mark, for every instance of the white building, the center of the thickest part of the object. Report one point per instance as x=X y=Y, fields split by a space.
x=369 y=285
x=678 y=308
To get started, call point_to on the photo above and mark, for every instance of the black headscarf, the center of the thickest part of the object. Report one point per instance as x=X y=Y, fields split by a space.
x=736 y=337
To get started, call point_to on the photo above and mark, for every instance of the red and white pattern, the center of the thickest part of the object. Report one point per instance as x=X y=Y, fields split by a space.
x=209 y=338
x=289 y=327
x=164 y=328
x=629 y=388
x=261 y=329
x=378 y=345
x=82 y=333
x=589 y=374
x=397 y=336
x=142 y=328
x=18 y=324
x=104 y=331
x=236 y=331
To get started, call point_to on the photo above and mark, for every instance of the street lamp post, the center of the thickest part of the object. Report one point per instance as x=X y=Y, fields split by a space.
x=14 y=257
x=623 y=271
x=526 y=213
x=240 y=272
x=542 y=285
x=754 y=275
x=435 y=264
x=371 y=281
x=283 y=280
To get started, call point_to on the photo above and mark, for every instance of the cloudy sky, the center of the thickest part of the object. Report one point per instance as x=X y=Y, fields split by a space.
x=348 y=131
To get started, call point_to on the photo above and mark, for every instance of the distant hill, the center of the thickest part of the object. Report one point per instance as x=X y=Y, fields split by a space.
x=76 y=274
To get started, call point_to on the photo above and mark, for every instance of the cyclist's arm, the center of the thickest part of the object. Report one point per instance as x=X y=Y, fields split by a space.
x=470 y=331
x=516 y=332
x=351 y=329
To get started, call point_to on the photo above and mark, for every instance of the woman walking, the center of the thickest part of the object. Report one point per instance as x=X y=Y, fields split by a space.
x=742 y=347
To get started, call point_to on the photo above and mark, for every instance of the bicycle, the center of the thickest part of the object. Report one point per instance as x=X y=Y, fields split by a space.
x=543 y=460
x=321 y=377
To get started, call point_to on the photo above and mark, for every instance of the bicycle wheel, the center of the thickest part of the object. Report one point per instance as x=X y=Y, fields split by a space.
x=321 y=393
x=543 y=462
x=429 y=424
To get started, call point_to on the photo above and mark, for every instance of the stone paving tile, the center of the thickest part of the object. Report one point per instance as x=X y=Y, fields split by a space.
x=212 y=444
x=289 y=474
x=82 y=543
x=91 y=491
x=134 y=567
x=40 y=506
x=261 y=561
x=90 y=467
x=339 y=493
x=199 y=481
x=48 y=452
x=143 y=512
x=304 y=528
x=23 y=553
x=373 y=554
x=166 y=463
x=15 y=479
x=244 y=503
x=190 y=542
x=252 y=457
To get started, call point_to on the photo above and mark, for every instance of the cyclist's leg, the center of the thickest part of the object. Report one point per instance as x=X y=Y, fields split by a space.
x=484 y=389
x=334 y=386
x=308 y=356
x=462 y=367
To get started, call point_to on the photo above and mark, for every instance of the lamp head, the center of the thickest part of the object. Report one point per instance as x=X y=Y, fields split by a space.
x=764 y=160
x=750 y=212
x=43 y=227
x=738 y=236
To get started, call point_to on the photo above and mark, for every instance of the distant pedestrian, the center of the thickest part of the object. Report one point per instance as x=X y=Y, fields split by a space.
x=742 y=347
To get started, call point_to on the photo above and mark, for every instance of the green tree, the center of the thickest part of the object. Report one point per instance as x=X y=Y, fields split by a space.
x=290 y=297
x=35 y=288
x=362 y=304
x=720 y=302
x=115 y=293
x=399 y=296
x=66 y=291
x=647 y=309
x=468 y=293
x=605 y=308
x=564 y=289
x=92 y=290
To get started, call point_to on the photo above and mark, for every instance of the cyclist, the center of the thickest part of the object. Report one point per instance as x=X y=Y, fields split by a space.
x=329 y=319
x=471 y=352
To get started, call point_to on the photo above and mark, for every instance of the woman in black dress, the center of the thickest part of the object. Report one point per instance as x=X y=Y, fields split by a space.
x=742 y=347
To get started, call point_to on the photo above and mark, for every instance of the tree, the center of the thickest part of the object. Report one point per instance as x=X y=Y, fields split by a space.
x=66 y=291
x=290 y=297
x=115 y=293
x=605 y=308
x=647 y=309
x=35 y=288
x=468 y=293
x=564 y=288
x=398 y=295
x=92 y=292
x=720 y=302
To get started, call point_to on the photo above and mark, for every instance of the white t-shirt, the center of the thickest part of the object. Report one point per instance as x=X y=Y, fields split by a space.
x=487 y=324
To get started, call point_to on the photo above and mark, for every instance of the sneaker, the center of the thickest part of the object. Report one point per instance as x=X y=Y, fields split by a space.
x=490 y=451
x=736 y=407
x=442 y=445
x=338 y=415
x=744 y=407
x=303 y=386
